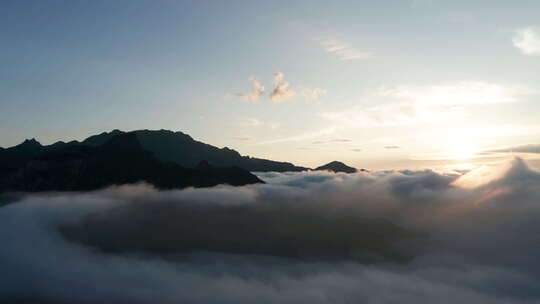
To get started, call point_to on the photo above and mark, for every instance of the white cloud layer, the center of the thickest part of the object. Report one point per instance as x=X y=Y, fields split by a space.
x=471 y=241
x=527 y=40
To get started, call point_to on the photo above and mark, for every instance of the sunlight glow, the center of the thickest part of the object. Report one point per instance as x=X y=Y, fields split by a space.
x=462 y=152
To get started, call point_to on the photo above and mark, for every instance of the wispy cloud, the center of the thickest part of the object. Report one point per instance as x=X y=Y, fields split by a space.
x=301 y=137
x=527 y=40
x=386 y=115
x=530 y=148
x=461 y=93
x=258 y=90
x=341 y=49
x=281 y=92
x=312 y=95
x=251 y=122
x=391 y=147
x=412 y=104
x=332 y=140
x=244 y=138
x=340 y=140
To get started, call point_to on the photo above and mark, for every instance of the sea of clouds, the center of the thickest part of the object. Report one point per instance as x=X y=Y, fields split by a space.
x=312 y=237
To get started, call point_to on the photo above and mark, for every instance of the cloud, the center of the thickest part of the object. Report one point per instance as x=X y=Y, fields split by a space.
x=341 y=49
x=281 y=92
x=530 y=148
x=527 y=40
x=391 y=147
x=414 y=104
x=387 y=115
x=300 y=137
x=455 y=94
x=244 y=138
x=300 y=238
x=332 y=140
x=257 y=123
x=312 y=95
x=251 y=122
x=278 y=77
x=356 y=150
x=258 y=89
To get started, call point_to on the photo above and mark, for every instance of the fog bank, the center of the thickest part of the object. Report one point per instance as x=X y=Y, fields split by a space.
x=311 y=237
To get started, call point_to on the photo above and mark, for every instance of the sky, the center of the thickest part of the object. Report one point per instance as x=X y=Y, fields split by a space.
x=376 y=84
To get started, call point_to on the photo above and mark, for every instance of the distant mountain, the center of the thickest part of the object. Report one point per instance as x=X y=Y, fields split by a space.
x=337 y=166
x=16 y=156
x=120 y=159
x=166 y=145
x=20 y=153
x=180 y=148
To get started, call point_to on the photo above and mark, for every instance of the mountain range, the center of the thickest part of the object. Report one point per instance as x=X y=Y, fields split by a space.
x=182 y=149
x=120 y=159
x=163 y=158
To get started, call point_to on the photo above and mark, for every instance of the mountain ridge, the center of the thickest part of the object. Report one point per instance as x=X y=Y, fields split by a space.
x=120 y=160
x=177 y=147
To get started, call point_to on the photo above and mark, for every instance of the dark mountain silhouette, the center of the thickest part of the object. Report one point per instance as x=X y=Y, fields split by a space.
x=119 y=160
x=18 y=154
x=167 y=146
x=182 y=149
x=337 y=166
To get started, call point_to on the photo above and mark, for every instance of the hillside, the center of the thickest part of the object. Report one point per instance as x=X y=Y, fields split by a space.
x=182 y=149
x=119 y=160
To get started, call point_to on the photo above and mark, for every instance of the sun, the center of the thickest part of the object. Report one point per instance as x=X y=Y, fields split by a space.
x=462 y=152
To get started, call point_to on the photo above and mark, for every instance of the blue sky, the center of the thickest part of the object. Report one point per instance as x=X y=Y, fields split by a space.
x=384 y=83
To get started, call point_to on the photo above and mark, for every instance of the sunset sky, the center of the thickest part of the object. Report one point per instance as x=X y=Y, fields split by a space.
x=376 y=84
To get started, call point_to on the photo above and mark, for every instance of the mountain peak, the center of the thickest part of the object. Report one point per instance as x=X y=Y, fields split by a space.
x=100 y=139
x=337 y=166
x=167 y=146
x=30 y=143
x=124 y=142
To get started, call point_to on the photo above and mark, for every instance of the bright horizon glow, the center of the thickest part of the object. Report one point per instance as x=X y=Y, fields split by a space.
x=462 y=153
